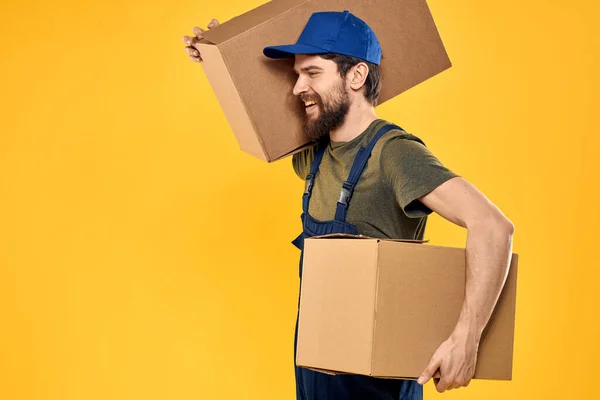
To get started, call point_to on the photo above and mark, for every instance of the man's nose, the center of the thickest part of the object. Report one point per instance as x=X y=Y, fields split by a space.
x=299 y=87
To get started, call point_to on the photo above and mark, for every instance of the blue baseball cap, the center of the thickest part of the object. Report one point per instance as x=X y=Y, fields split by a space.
x=332 y=32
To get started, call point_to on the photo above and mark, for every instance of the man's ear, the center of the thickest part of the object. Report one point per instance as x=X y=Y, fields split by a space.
x=358 y=75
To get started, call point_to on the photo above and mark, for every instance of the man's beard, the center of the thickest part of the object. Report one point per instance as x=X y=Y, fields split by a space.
x=331 y=115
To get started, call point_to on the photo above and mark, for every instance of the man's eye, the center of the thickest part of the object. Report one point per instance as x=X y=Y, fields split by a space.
x=312 y=73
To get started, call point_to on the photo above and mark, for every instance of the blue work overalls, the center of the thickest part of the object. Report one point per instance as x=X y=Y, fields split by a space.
x=312 y=385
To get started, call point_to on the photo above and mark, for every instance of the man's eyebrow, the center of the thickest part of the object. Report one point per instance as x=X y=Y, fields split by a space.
x=308 y=68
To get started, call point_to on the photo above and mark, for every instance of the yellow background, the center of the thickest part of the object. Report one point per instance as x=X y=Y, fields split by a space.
x=143 y=256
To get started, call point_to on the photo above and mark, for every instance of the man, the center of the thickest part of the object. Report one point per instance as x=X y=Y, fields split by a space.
x=370 y=177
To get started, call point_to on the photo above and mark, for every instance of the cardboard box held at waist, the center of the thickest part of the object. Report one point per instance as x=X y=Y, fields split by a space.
x=382 y=307
x=255 y=92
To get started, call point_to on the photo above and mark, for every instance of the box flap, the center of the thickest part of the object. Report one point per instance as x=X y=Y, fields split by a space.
x=332 y=372
x=250 y=20
x=350 y=236
x=327 y=371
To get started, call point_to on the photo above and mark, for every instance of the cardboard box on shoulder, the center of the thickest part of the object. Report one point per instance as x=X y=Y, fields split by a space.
x=255 y=92
x=382 y=307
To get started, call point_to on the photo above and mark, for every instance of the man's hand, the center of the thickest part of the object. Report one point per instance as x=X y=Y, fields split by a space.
x=191 y=41
x=456 y=359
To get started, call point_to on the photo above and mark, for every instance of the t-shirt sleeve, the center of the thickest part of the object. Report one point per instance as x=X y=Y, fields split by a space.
x=412 y=171
x=301 y=162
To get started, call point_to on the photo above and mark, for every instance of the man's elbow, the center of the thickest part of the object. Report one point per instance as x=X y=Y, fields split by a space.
x=493 y=222
x=504 y=226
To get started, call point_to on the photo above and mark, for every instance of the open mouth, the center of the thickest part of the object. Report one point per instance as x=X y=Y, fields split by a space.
x=310 y=105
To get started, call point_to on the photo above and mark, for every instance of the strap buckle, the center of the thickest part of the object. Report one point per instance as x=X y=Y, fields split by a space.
x=310 y=179
x=346 y=193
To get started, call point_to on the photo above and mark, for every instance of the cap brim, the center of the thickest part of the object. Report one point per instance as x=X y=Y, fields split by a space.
x=289 y=50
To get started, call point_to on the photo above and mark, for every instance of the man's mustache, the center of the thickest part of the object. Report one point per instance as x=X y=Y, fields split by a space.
x=316 y=99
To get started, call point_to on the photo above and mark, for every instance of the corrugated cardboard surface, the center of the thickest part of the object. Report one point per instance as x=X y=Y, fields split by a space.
x=344 y=341
x=231 y=102
x=413 y=280
x=418 y=294
x=412 y=51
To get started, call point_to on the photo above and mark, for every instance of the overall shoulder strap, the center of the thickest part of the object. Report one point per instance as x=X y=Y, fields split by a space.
x=310 y=178
x=356 y=171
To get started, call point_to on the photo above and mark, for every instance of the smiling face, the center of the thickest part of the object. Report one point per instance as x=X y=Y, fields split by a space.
x=324 y=93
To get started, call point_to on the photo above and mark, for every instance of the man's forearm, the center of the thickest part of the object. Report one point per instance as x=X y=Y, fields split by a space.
x=488 y=256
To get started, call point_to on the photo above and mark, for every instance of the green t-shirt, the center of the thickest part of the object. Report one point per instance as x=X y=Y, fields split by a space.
x=384 y=203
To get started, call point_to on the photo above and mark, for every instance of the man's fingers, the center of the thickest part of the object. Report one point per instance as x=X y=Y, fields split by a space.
x=433 y=366
x=457 y=384
x=442 y=385
x=192 y=51
x=190 y=40
x=198 y=32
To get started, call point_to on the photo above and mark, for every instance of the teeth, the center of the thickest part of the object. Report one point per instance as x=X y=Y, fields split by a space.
x=310 y=103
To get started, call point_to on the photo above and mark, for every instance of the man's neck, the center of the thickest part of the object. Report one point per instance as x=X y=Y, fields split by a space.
x=357 y=121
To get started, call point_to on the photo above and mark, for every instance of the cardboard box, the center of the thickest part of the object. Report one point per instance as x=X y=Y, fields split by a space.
x=255 y=92
x=382 y=307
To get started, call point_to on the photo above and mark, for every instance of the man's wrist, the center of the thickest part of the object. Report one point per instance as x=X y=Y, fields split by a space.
x=467 y=331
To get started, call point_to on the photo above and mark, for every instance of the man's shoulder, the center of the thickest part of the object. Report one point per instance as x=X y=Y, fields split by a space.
x=301 y=161
x=398 y=137
x=399 y=148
